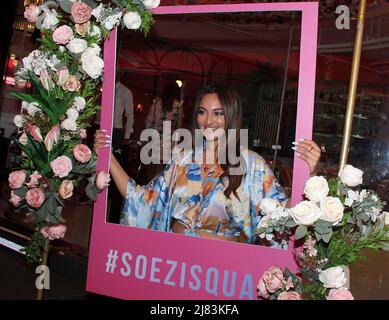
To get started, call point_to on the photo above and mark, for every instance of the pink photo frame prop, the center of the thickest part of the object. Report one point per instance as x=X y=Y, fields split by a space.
x=134 y=263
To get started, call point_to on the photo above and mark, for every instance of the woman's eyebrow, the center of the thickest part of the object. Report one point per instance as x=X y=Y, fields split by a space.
x=213 y=109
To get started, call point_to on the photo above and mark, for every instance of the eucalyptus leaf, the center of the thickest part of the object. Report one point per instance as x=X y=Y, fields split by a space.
x=317 y=236
x=51 y=4
x=66 y=5
x=21 y=192
x=290 y=223
x=327 y=236
x=301 y=231
x=91 y=3
x=91 y=191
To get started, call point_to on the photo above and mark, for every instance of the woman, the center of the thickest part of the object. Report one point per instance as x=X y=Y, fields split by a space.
x=203 y=198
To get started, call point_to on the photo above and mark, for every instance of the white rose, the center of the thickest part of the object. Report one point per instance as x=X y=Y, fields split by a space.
x=94 y=50
x=49 y=20
x=93 y=66
x=386 y=217
x=316 y=189
x=305 y=213
x=79 y=103
x=132 y=20
x=332 y=210
x=333 y=277
x=151 y=4
x=19 y=121
x=269 y=205
x=95 y=31
x=350 y=176
x=69 y=124
x=77 y=45
x=72 y=114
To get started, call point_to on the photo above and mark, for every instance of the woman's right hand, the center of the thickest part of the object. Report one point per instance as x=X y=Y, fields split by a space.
x=102 y=140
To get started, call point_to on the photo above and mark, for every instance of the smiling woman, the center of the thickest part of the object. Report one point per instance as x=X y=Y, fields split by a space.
x=198 y=197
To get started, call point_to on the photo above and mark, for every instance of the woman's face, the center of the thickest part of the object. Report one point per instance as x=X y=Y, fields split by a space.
x=210 y=117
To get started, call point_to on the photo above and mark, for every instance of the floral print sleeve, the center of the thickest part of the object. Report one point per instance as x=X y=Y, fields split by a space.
x=258 y=183
x=144 y=204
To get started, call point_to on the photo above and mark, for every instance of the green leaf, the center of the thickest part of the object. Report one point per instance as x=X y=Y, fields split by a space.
x=317 y=236
x=301 y=231
x=91 y=191
x=290 y=223
x=21 y=192
x=38 y=154
x=327 y=236
x=66 y=5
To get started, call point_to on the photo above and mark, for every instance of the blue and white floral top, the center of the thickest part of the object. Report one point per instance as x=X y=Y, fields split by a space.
x=179 y=193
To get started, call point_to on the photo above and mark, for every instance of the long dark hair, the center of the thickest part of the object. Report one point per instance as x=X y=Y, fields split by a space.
x=232 y=109
x=170 y=92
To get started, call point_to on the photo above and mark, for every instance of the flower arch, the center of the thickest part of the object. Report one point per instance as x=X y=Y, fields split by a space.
x=66 y=72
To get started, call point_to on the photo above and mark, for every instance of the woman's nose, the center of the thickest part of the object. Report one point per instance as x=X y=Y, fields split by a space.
x=209 y=119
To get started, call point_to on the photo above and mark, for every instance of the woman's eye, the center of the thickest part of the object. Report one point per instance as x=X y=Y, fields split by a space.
x=219 y=114
x=200 y=112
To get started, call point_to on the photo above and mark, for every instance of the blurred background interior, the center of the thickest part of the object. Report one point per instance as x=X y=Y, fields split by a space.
x=255 y=53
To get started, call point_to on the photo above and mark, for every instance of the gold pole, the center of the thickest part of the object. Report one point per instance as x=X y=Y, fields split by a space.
x=353 y=85
x=39 y=293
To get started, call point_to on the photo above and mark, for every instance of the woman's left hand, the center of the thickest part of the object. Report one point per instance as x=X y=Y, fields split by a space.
x=310 y=152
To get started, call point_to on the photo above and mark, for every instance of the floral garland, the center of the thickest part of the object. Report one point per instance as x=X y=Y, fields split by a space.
x=66 y=72
x=333 y=224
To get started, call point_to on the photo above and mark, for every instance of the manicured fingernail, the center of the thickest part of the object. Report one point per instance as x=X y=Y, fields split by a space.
x=103 y=130
x=294 y=148
x=295 y=142
x=298 y=154
x=107 y=135
x=301 y=139
x=106 y=145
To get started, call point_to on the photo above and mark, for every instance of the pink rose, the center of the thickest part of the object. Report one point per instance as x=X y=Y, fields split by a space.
x=82 y=28
x=35 y=197
x=82 y=153
x=63 y=34
x=35 y=132
x=81 y=12
x=66 y=189
x=31 y=13
x=270 y=282
x=54 y=232
x=102 y=180
x=34 y=180
x=61 y=166
x=71 y=84
x=340 y=294
x=16 y=179
x=82 y=133
x=289 y=295
x=15 y=199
